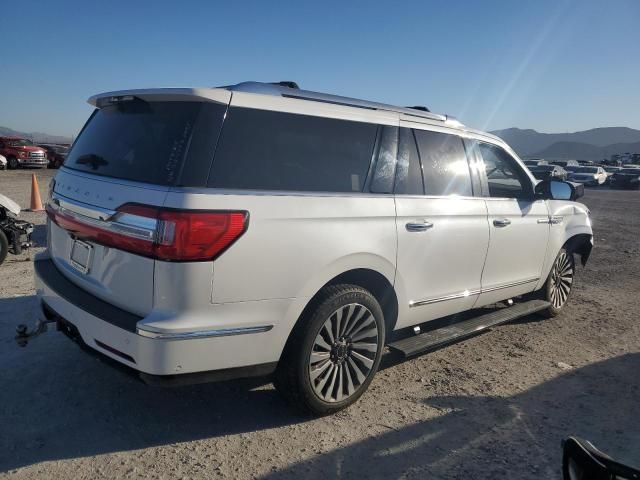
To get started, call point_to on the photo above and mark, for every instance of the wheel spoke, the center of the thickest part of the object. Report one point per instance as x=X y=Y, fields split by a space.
x=369 y=347
x=319 y=356
x=327 y=328
x=339 y=314
x=368 y=320
x=347 y=373
x=322 y=343
x=359 y=375
x=365 y=334
x=368 y=363
x=332 y=384
x=354 y=321
x=340 y=385
x=325 y=377
x=315 y=373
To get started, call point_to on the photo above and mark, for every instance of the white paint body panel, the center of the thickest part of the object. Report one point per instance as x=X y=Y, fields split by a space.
x=296 y=243
x=446 y=259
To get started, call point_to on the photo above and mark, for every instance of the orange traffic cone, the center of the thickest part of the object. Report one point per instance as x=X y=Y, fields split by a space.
x=36 y=201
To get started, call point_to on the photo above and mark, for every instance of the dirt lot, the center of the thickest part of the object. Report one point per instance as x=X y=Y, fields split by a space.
x=493 y=406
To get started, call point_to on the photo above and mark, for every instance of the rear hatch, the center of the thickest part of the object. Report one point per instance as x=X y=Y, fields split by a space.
x=133 y=149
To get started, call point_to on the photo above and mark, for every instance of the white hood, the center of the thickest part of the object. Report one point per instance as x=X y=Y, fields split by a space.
x=9 y=204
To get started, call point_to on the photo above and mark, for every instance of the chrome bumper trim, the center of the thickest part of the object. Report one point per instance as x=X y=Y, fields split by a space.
x=223 y=332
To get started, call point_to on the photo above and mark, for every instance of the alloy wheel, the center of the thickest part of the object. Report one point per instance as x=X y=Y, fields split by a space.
x=561 y=280
x=343 y=353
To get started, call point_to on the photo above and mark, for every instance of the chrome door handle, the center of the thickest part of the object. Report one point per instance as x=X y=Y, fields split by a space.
x=502 y=222
x=418 y=226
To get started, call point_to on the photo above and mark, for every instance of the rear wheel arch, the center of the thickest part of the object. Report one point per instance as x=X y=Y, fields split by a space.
x=371 y=280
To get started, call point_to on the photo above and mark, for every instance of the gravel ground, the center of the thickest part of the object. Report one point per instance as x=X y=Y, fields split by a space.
x=496 y=405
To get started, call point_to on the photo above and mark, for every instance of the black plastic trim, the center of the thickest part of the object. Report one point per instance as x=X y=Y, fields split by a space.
x=65 y=288
x=261 y=370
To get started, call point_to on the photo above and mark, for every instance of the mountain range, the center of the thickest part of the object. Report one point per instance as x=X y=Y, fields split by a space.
x=594 y=144
x=36 y=137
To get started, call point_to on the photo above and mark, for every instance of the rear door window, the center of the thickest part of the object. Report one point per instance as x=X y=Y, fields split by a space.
x=408 y=168
x=444 y=164
x=149 y=141
x=267 y=150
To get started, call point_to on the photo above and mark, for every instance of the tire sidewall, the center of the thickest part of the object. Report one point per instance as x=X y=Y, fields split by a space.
x=4 y=246
x=313 y=326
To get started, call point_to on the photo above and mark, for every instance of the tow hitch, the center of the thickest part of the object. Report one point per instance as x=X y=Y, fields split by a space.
x=24 y=335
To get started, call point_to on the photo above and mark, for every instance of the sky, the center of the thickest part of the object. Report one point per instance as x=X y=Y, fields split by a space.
x=550 y=65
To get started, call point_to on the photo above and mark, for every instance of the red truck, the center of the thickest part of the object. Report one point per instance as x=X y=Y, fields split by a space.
x=21 y=152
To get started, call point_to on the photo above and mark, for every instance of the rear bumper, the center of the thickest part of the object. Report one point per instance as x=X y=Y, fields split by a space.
x=171 y=360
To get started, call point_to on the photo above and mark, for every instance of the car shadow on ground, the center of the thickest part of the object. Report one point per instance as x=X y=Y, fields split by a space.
x=57 y=402
x=501 y=437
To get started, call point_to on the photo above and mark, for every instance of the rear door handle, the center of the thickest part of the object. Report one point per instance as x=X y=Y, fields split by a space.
x=418 y=226
x=502 y=222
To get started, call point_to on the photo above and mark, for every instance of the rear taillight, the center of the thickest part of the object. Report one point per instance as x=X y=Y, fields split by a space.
x=163 y=234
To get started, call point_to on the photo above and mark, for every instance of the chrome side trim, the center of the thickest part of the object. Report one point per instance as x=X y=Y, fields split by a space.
x=223 y=332
x=468 y=293
x=511 y=284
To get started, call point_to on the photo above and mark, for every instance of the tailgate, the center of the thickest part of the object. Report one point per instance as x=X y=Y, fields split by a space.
x=121 y=278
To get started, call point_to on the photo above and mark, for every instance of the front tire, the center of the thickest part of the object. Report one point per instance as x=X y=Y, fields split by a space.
x=557 y=289
x=333 y=352
x=12 y=163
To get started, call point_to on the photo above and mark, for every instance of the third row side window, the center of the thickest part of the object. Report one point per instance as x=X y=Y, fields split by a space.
x=266 y=150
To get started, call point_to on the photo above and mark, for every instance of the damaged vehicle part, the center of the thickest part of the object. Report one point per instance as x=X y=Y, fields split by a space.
x=15 y=234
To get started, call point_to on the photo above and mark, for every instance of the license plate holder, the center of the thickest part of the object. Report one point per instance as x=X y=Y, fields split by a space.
x=81 y=253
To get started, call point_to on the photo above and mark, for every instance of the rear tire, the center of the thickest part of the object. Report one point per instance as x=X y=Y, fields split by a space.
x=4 y=246
x=333 y=352
x=559 y=285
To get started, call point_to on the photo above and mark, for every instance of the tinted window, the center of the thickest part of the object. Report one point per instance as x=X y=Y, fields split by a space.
x=385 y=168
x=144 y=141
x=444 y=164
x=408 y=170
x=265 y=150
x=504 y=177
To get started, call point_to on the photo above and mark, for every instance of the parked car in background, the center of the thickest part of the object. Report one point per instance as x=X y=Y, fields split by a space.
x=21 y=152
x=628 y=178
x=592 y=176
x=55 y=153
x=535 y=161
x=210 y=233
x=3 y=162
x=565 y=163
x=610 y=170
x=543 y=172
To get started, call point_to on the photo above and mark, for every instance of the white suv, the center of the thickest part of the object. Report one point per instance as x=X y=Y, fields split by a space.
x=203 y=234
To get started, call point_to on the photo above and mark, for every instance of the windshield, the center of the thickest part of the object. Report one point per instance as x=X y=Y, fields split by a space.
x=612 y=169
x=543 y=168
x=59 y=149
x=144 y=141
x=630 y=170
x=586 y=170
x=21 y=142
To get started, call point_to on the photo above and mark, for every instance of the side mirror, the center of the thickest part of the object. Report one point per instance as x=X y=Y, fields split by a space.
x=552 y=189
x=582 y=461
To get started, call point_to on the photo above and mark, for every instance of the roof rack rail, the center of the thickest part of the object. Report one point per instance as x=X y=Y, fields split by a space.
x=287 y=83
x=284 y=89
x=419 y=107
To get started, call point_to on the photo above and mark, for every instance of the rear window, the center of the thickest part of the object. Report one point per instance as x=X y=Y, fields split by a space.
x=149 y=142
x=266 y=150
